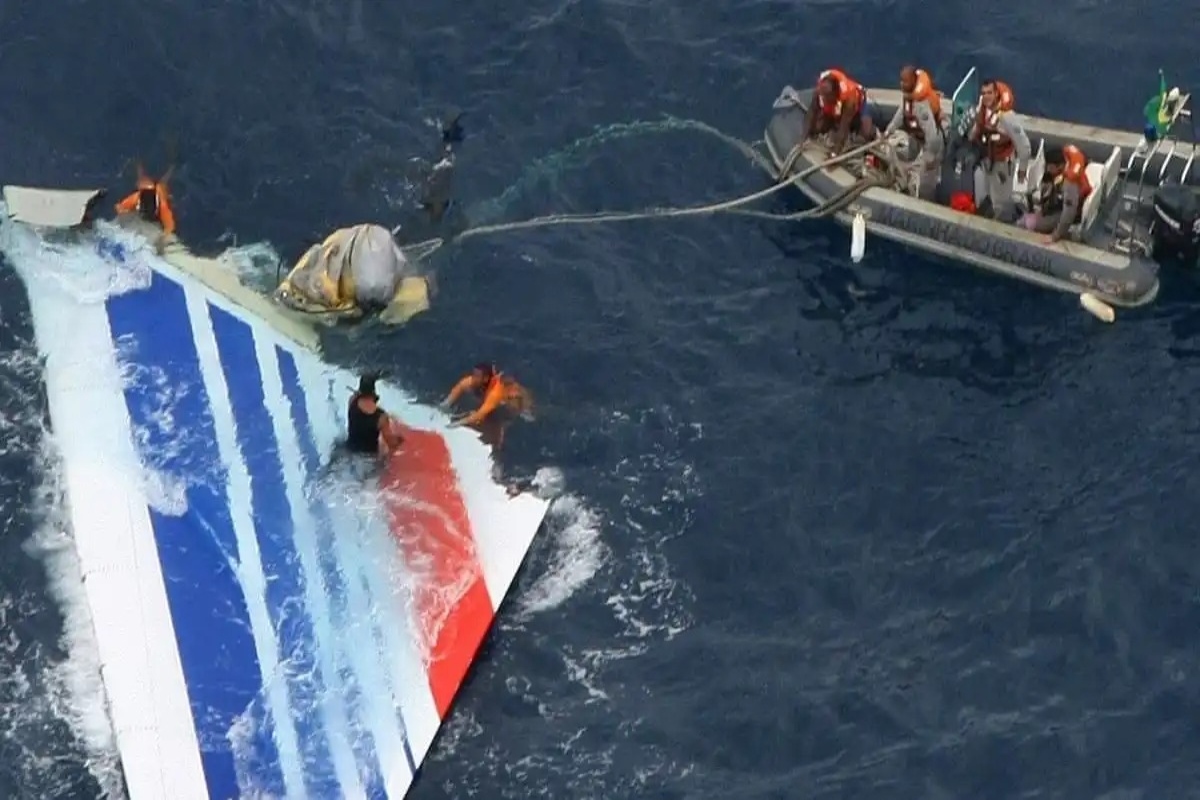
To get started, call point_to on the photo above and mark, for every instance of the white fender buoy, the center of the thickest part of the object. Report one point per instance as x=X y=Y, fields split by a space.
x=858 y=238
x=1097 y=307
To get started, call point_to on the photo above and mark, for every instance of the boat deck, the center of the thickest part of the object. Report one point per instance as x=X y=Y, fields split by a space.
x=1117 y=217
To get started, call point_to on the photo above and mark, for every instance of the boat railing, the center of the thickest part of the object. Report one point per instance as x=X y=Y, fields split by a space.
x=1174 y=149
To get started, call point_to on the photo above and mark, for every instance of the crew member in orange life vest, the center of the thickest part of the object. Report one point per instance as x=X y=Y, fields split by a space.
x=150 y=200
x=496 y=390
x=1000 y=135
x=840 y=105
x=1063 y=191
x=920 y=116
x=369 y=428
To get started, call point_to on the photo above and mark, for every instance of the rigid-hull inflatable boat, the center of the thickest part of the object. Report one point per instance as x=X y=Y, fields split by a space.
x=1144 y=208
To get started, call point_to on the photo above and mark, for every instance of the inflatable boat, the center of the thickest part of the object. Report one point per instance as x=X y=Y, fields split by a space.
x=263 y=628
x=1143 y=212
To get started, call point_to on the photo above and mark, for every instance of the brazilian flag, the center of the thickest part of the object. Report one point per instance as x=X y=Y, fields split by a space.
x=1157 y=114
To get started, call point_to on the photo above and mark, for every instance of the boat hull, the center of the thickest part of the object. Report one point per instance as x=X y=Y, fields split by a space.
x=1120 y=279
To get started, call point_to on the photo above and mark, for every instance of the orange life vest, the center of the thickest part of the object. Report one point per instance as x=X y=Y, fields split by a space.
x=999 y=147
x=1005 y=96
x=1075 y=170
x=922 y=92
x=489 y=383
x=849 y=91
x=506 y=390
x=151 y=201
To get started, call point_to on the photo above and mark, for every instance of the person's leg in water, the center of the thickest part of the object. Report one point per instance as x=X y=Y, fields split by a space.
x=492 y=432
x=492 y=429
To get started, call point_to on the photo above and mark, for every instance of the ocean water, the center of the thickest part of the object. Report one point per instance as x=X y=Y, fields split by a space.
x=887 y=530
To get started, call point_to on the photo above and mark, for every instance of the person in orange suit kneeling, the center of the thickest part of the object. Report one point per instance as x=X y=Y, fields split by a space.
x=150 y=200
x=501 y=399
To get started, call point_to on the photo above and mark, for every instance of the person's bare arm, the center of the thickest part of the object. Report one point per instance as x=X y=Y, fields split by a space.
x=387 y=430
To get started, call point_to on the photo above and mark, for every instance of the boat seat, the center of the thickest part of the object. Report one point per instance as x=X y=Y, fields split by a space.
x=1102 y=177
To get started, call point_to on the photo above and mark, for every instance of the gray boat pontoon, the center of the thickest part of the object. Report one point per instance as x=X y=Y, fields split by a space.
x=1144 y=210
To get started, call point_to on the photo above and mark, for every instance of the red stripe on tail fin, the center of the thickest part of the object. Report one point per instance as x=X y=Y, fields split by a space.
x=429 y=522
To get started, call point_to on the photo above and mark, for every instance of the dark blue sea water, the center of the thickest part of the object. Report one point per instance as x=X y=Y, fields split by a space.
x=887 y=530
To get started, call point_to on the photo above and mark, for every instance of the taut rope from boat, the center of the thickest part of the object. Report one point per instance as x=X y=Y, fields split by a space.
x=732 y=206
x=421 y=250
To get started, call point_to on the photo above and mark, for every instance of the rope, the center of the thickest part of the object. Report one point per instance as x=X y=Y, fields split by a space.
x=550 y=166
x=825 y=209
x=791 y=159
x=556 y=162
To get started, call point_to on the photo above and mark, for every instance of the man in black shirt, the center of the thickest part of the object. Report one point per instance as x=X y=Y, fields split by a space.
x=369 y=428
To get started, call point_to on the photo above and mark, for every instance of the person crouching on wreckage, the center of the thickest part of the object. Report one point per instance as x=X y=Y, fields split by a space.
x=360 y=271
x=150 y=201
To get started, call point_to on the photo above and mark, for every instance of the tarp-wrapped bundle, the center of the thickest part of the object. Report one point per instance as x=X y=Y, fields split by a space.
x=357 y=270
